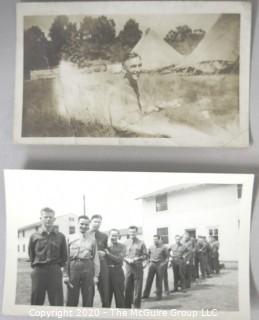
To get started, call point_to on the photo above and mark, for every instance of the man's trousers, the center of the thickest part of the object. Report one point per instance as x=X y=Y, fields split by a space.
x=133 y=285
x=81 y=277
x=179 y=273
x=158 y=269
x=47 y=279
x=117 y=286
x=103 y=283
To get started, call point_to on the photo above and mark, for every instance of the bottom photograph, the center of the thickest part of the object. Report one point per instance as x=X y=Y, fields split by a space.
x=127 y=244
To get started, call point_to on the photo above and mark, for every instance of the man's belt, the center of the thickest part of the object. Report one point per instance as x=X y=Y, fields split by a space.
x=81 y=259
x=114 y=265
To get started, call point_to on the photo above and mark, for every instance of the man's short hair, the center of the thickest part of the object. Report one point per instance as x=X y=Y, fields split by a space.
x=47 y=209
x=131 y=55
x=133 y=227
x=178 y=236
x=96 y=216
x=83 y=217
x=114 y=229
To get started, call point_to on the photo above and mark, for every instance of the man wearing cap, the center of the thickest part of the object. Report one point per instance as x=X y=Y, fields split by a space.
x=158 y=259
x=136 y=253
x=115 y=255
x=48 y=254
x=83 y=265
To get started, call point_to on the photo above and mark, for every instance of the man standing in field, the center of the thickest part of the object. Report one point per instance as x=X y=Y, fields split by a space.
x=115 y=255
x=48 y=254
x=83 y=265
x=102 y=244
x=158 y=259
x=136 y=253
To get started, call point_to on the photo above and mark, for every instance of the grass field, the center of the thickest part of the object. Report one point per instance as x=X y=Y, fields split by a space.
x=220 y=292
x=75 y=106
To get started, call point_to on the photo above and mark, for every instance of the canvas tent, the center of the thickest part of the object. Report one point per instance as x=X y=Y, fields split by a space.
x=220 y=46
x=155 y=52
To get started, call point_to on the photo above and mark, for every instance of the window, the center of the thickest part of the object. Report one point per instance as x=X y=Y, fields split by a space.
x=72 y=229
x=239 y=191
x=23 y=233
x=191 y=232
x=163 y=233
x=23 y=247
x=18 y=248
x=71 y=219
x=161 y=202
x=214 y=232
x=36 y=228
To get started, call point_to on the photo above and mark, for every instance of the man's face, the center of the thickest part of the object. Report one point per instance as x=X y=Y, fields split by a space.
x=47 y=218
x=83 y=225
x=114 y=236
x=132 y=233
x=133 y=67
x=95 y=224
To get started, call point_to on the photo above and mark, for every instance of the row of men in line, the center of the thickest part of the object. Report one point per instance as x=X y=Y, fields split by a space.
x=88 y=259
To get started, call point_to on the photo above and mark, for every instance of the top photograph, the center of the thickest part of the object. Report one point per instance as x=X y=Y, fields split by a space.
x=135 y=73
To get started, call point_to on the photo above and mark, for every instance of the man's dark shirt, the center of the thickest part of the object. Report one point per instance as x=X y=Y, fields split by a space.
x=116 y=254
x=47 y=248
x=158 y=253
x=101 y=241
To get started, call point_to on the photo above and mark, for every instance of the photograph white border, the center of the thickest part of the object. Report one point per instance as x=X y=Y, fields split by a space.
x=135 y=7
x=247 y=180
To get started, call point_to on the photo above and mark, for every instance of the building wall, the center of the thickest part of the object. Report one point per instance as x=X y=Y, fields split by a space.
x=200 y=209
x=63 y=223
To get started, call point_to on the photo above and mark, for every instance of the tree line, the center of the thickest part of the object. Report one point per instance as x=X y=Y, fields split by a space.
x=93 y=39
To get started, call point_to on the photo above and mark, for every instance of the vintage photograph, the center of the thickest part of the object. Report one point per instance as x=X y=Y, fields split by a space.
x=161 y=73
x=113 y=242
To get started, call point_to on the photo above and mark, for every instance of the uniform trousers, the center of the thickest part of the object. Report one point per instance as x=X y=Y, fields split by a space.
x=179 y=273
x=81 y=277
x=133 y=285
x=117 y=286
x=103 y=283
x=47 y=278
x=158 y=269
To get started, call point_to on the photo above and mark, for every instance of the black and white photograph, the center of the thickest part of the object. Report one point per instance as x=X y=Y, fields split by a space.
x=127 y=244
x=138 y=73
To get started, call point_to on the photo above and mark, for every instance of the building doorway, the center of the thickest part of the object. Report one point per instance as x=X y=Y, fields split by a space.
x=192 y=232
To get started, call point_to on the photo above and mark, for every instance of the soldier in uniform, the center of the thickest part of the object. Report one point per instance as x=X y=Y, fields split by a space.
x=48 y=254
x=188 y=258
x=83 y=265
x=102 y=244
x=158 y=259
x=215 y=254
x=115 y=255
x=136 y=253
x=177 y=252
x=203 y=256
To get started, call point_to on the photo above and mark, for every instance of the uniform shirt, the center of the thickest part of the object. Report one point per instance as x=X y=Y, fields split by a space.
x=202 y=246
x=136 y=249
x=84 y=248
x=47 y=248
x=178 y=250
x=116 y=254
x=188 y=255
x=214 y=246
x=158 y=253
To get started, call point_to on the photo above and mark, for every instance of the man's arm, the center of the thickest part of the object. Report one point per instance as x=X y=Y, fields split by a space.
x=96 y=261
x=119 y=258
x=63 y=251
x=144 y=255
x=31 y=250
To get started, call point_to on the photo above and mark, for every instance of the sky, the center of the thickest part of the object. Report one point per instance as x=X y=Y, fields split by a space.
x=159 y=23
x=111 y=194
